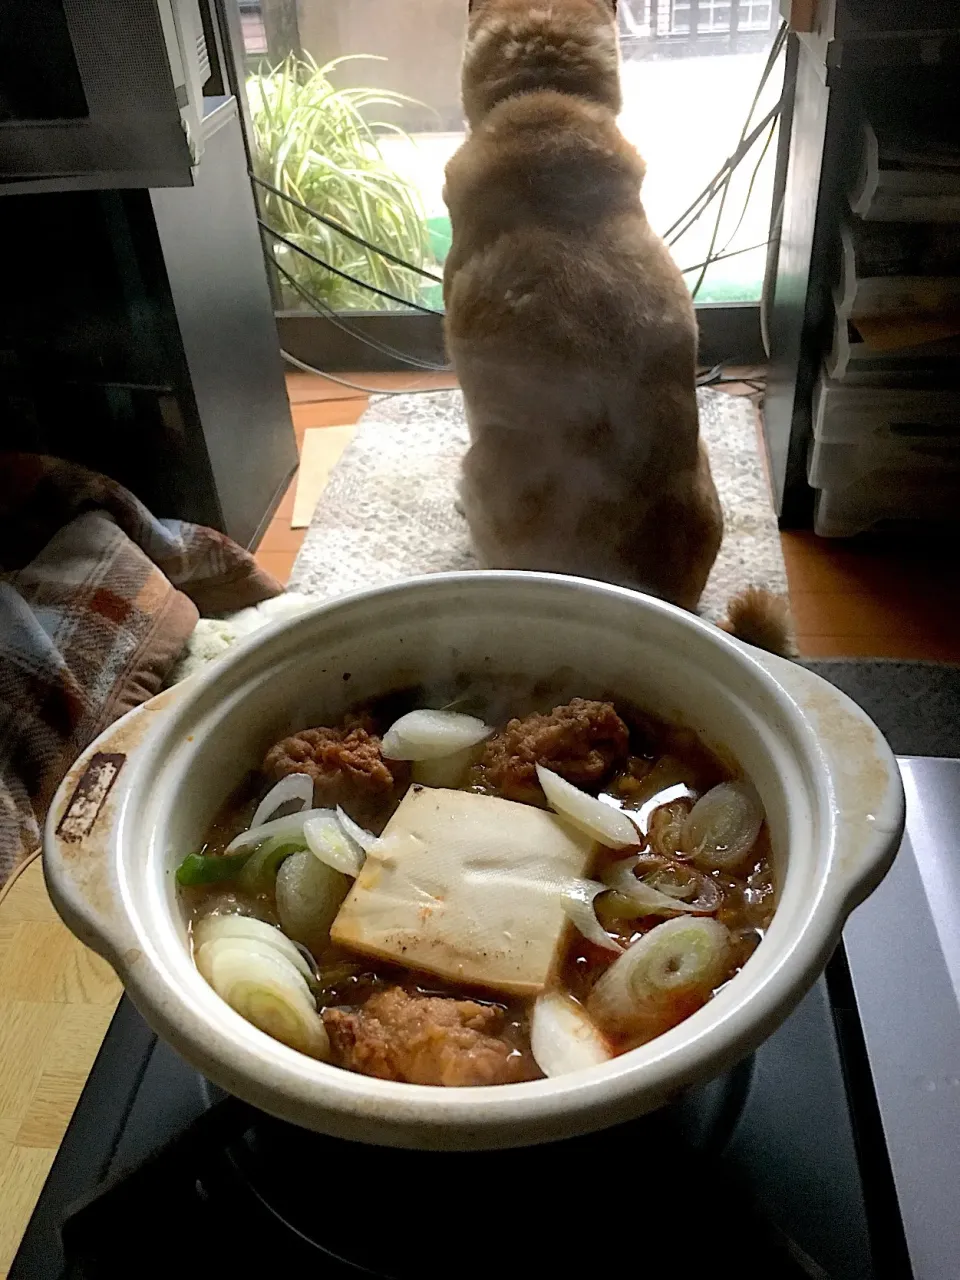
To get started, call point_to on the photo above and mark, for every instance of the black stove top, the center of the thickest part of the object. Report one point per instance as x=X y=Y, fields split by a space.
x=775 y=1170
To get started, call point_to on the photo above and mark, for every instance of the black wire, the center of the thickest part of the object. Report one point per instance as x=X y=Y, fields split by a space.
x=344 y=275
x=713 y=186
x=719 y=257
x=705 y=265
x=344 y=231
x=329 y=314
x=746 y=142
x=370 y=391
x=719 y=178
x=772 y=57
x=746 y=200
x=716 y=377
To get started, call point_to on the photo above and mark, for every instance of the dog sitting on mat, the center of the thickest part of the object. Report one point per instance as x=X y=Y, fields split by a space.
x=569 y=325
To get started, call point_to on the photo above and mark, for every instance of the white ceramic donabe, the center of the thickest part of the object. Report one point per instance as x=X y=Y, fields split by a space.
x=142 y=796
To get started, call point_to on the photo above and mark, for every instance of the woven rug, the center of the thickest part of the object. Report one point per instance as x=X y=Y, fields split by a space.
x=388 y=511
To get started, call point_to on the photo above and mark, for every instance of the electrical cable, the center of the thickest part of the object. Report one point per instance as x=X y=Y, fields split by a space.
x=715 y=183
x=342 y=230
x=344 y=275
x=716 y=377
x=719 y=257
x=720 y=182
x=772 y=56
x=750 y=185
x=328 y=313
x=355 y=386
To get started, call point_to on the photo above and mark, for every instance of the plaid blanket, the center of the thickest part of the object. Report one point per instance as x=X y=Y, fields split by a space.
x=97 y=600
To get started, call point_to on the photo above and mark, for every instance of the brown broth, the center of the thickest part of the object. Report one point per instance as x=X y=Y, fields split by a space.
x=667 y=766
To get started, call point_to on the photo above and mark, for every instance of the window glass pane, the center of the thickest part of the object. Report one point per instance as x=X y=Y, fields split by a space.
x=365 y=140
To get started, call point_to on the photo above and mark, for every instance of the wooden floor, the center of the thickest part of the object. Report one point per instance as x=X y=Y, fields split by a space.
x=317 y=403
x=859 y=598
x=56 y=1001
x=862 y=598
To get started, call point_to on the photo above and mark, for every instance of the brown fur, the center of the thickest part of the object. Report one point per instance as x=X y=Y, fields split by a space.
x=761 y=618
x=568 y=323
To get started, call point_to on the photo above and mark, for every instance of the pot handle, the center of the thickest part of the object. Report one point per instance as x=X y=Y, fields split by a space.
x=868 y=790
x=81 y=827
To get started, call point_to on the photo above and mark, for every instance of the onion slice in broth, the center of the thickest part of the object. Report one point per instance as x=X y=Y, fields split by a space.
x=646 y=899
x=722 y=827
x=207 y=953
x=662 y=977
x=327 y=840
x=243 y=929
x=308 y=895
x=562 y=1037
x=607 y=825
x=365 y=839
x=267 y=990
x=288 y=828
x=294 y=787
x=577 y=902
x=446 y=771
x=428 y=735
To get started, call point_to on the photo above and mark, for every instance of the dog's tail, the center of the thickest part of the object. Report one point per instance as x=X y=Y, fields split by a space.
x=759 y=617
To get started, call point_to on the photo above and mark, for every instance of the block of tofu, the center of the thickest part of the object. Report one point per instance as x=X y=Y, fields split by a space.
x=467 y=887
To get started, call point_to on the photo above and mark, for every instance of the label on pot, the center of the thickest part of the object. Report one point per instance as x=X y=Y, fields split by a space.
x=90 y=796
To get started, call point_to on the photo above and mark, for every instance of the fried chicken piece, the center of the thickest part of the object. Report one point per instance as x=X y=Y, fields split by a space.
x=348 y=768
x=582 y=742
x=424 y=1040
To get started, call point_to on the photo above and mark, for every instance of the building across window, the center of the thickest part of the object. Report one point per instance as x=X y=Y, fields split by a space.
x=646 y=19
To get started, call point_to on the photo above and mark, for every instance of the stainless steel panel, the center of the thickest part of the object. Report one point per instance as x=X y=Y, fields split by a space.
x=903 y=948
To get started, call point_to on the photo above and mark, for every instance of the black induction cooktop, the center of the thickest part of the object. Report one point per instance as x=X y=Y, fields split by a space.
x=832 y=1154
x=774 y=1170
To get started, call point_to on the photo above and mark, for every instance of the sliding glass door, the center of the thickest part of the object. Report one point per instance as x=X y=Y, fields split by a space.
x=354 y=111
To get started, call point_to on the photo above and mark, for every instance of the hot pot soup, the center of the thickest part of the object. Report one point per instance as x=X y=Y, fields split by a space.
x=445 y=898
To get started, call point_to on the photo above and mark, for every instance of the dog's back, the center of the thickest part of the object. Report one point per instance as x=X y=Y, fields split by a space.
x=568 y=323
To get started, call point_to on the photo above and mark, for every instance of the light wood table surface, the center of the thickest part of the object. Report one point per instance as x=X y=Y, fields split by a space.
x=56 y=1001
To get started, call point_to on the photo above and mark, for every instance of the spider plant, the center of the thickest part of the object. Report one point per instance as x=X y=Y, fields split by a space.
x=318 y=143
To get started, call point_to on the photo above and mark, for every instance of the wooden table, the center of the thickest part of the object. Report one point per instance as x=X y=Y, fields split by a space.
x=56 y=1001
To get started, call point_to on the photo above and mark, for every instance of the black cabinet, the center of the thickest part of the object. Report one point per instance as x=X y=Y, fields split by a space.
x=137 y=337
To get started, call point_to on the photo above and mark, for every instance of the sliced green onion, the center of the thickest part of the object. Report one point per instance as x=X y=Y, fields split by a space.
x=640 y=898
x=662 y=977
x=446 y=771
x=242 y=929
x=722 y=827
x=260 y=873
x=294 y=788
x=290 y=827
x=309 y=894
x=359 y=835
x=200 y=868
x=327 y=840
x=268 y=991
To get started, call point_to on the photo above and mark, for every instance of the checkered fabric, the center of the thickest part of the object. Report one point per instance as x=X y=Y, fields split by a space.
x=97 y=600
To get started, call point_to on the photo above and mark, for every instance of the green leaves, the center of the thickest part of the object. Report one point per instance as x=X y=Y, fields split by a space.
x=316 y=143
